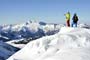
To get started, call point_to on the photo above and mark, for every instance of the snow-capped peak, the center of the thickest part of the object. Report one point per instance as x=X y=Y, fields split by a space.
x=68 y=44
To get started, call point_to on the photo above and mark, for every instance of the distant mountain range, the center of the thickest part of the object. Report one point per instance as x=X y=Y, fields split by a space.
x=27 y=30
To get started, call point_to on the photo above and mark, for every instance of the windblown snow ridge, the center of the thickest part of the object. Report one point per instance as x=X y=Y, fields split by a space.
x=68 y=44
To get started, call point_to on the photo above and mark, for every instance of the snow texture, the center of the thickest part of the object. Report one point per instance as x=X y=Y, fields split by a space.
x=67 y=44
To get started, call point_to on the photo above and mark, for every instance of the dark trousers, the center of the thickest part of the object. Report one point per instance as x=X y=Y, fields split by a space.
x=68 y=23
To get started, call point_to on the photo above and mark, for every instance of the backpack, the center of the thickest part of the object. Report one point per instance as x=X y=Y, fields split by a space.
x=75 y=19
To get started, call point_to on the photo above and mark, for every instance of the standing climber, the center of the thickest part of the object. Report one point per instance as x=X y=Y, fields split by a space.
x=75 y=20
x=67 y=19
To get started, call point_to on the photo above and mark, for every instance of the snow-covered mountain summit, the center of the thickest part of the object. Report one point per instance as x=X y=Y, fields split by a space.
x=67 y=44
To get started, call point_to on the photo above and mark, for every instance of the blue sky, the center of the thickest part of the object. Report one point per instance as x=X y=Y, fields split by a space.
x=50 y=11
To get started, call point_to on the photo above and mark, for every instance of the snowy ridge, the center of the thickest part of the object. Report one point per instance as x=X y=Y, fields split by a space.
x=12 y=43
x=68 y=44
x=82 y=25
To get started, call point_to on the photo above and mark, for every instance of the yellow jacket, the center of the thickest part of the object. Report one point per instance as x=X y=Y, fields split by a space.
x=67 y=16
